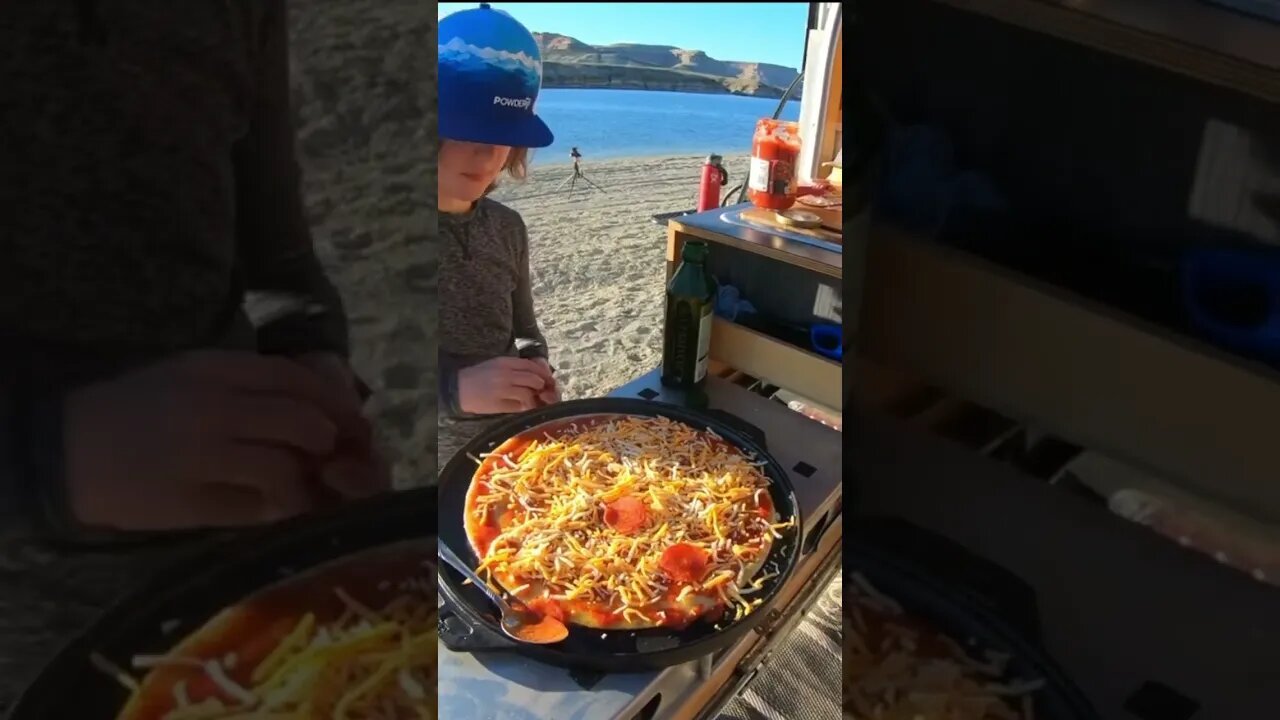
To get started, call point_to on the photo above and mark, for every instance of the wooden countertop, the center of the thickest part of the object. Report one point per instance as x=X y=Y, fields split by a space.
x=709 y=226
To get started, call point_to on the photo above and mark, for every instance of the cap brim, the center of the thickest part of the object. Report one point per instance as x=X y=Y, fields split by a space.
x=531 y=132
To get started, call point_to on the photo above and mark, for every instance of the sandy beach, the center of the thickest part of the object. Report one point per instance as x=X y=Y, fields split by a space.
x=364 y=95
x=598 y=261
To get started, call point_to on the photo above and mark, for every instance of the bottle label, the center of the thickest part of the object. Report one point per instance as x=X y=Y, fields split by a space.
x=761 y=177
x=775 y=177
x=704 y=345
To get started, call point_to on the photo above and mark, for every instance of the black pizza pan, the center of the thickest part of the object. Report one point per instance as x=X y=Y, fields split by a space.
x=468 y=621
x=977 y=603
x=179 y=600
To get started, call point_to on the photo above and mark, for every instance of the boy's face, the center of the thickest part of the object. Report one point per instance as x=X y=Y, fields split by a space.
x=467 y=169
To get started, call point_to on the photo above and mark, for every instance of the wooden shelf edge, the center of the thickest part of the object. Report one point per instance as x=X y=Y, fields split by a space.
x=1094 y=28
x=779 y=363
x=1088 y=374
x=802 y=255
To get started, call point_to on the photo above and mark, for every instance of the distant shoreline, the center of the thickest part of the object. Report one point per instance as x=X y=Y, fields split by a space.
x=607 y=85
x=645 y=157
x=795 y=96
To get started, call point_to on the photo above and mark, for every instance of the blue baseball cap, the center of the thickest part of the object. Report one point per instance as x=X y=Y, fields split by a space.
x=490 y=75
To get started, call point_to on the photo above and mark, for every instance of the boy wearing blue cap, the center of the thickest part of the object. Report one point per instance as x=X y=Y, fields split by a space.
x=149 y=181
x=490 y=75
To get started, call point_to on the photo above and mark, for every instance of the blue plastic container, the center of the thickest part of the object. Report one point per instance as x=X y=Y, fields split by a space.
x=1250 y=277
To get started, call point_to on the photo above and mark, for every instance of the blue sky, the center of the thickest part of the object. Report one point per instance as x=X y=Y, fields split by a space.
x=751 y=32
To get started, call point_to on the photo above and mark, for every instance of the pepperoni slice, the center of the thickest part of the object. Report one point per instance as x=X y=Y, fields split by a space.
x=201 y=687
x=683 y=562
x=626 y=514
x=764 y=505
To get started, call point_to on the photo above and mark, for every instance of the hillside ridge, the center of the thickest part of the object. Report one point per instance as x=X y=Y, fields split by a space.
x=570 y=62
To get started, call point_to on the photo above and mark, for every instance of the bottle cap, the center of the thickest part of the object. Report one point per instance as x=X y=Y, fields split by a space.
x=714 y=159
x=694 y=251
x=799 y=218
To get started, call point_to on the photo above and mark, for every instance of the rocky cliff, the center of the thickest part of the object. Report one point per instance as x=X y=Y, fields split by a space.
x=569 y=62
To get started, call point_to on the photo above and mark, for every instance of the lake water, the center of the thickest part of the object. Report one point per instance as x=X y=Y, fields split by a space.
x=638 y=123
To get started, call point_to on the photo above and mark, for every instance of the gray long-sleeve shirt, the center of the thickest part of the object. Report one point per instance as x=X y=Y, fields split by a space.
x=486 y=303
x=147 y=180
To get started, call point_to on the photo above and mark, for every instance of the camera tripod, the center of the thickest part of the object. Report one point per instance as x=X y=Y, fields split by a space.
x=573 y=179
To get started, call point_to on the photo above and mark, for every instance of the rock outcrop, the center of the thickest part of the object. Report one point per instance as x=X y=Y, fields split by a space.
x=569 y=62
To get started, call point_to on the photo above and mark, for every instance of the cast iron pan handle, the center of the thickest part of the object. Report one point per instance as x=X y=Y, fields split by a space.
x=991 y=587
x=461 y=636
x=740 y=425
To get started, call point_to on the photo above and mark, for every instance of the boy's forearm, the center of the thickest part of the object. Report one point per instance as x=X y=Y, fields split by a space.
x=525 y=319
x=274 y=239
x=447 y=385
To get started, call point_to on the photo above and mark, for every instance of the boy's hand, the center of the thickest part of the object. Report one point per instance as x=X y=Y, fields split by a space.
x=205 y=439
x=357 y=468
x=549 y=395
x=502 y=385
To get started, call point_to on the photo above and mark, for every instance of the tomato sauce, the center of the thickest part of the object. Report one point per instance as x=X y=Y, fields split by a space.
x=485 y=535
x=775 y=150
x=764 y=505
x=547 y=608
x=605 y=618
x=548 y=630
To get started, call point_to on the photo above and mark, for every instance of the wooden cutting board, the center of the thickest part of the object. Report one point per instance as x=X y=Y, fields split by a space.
x=770 y=218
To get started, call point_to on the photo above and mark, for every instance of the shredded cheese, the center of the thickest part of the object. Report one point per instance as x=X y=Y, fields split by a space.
x=553 y=499
x=370 y=664
x=895 y=670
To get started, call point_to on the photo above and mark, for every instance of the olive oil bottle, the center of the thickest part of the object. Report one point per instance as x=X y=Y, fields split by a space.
x=687 y=333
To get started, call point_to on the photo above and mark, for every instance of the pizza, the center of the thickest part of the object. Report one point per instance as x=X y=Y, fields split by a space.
x=353 y=639
x=623 y=522
x=897 y=667
x=821 y=201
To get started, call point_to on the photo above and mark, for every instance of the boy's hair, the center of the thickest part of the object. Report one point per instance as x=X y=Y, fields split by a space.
x=517 y=166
